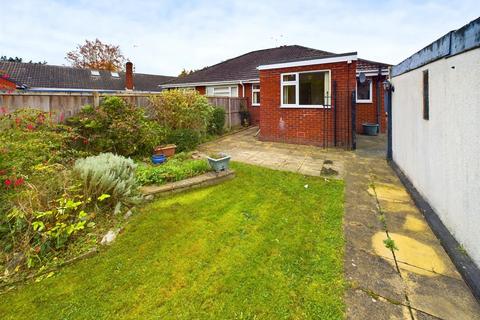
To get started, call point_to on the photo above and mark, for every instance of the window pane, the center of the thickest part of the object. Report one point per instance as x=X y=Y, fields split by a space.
x=234 y=91
x=256 y=98
x=289 y=77
x=363 y=90
x=289 y=95
x=312 y=88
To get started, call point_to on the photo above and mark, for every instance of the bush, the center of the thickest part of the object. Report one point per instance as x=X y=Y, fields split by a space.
x=118 y=127
x=45 y=214
x=175 y=109
x=108 y=174
x=177 y=168
x=217 y=122
x=185 y=139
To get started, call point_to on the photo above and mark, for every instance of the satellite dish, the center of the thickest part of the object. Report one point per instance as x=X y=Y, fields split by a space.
x=362 y=78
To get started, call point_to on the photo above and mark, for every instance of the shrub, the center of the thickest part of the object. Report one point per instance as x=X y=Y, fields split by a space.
x=177 y=168
x=185 y=139
x=45 y=214
x=118 y=127
x=177 y=109
x=217 y=122
x=109 y=174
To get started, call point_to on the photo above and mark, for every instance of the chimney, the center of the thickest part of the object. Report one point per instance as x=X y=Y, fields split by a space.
x=129 y=76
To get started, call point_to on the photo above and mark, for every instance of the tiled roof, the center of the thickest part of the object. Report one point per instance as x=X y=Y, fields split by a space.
x=59 y=77
x=244 y=67
x=363 y=64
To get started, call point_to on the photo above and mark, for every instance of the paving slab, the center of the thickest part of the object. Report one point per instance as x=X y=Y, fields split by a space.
x=361 y=306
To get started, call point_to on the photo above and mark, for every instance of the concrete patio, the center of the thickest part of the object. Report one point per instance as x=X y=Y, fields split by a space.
x=417 y=281
x=309 y=160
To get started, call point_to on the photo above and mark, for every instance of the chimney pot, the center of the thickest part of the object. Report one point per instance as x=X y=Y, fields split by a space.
x=129 y=76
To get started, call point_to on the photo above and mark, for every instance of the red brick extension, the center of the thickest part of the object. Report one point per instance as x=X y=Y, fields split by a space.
x=313 y=126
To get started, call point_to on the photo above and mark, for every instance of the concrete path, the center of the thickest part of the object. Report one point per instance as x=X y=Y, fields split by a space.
x=417 y=281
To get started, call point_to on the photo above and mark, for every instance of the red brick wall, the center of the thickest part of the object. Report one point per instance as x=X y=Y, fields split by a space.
x=367 y=112
x=313 y=126
x=6 y=85
x=201 y=90
x=253 y=110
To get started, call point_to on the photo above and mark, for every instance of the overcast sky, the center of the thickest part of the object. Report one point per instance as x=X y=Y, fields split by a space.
x=162 y=37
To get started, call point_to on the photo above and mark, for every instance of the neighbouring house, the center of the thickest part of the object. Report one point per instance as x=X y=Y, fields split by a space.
x=298 y=94
x=35 y=77
x=435 y=134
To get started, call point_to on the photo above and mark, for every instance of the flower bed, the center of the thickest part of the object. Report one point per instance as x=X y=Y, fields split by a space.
x=179 y=167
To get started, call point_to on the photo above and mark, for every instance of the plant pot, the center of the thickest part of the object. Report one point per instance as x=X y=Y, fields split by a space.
x=370 y=129
x=220 y=164
x=158 y=158
x=167 y=150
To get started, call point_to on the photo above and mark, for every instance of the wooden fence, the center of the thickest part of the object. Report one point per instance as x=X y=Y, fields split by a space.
x=63 y=105
x=232 y=107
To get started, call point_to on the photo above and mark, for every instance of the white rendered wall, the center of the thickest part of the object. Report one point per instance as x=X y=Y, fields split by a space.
x=441 y=156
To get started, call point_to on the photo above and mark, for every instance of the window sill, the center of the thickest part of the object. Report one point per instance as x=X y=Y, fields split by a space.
x=255 y=105
x=364 y=101
x=293 y=106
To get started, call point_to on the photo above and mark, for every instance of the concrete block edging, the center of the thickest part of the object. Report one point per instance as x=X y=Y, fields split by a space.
x=206 y=179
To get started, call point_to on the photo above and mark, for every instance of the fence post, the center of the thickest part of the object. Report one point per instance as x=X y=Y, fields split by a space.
x=96 y=99
x=230 y=114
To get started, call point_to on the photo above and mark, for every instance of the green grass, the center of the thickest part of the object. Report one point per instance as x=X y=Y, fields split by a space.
x=260 y=246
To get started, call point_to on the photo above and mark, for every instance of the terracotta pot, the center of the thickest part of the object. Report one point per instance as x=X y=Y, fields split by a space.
x=167 y=150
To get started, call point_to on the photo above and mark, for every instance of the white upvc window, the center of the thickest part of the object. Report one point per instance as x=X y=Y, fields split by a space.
x=255 y=94
x=222 y=91
x=309 y=89
x=364 y=91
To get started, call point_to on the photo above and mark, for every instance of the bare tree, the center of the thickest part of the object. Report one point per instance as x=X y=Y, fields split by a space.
x=97 y=55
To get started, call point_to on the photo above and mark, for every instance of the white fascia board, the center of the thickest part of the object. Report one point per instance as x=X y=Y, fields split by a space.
x=346 y=58
x=70 y=90
x=197 y=84
x=373 y=72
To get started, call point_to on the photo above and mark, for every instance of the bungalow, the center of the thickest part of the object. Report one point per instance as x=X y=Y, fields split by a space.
x=297 y=94
x=34 y=77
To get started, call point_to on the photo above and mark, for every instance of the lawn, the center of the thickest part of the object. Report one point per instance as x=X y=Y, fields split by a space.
x=265 y=245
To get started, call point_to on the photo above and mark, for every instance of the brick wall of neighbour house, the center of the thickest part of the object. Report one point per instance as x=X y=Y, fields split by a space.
x=314 y=126
x=6 y=85
x=202 y=90
x=253 y=110
x=367 y=112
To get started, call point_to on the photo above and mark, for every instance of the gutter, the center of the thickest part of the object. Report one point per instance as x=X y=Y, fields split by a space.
x=209 y=83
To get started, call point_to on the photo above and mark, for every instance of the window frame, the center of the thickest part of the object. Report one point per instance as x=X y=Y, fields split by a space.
x=371 y=92
x=253 y=94
x=296 y=83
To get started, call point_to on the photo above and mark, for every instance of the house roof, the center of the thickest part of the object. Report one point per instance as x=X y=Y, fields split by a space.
x=34 y=75
x=244 y=67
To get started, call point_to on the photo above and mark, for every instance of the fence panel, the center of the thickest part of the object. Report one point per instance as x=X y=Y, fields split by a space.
x=232 y=107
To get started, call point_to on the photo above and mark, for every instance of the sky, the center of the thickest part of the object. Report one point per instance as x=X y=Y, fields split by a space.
x=163 y=37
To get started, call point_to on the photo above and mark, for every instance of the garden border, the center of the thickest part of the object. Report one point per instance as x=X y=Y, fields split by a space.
x=206 y=179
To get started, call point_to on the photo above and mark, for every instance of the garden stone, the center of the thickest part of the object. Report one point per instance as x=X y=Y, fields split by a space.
x=149 y=197
x=128 y=214
x=17 y=260
x=109 y=237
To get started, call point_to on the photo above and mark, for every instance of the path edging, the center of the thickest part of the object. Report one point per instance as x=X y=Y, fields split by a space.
x=465 y=265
